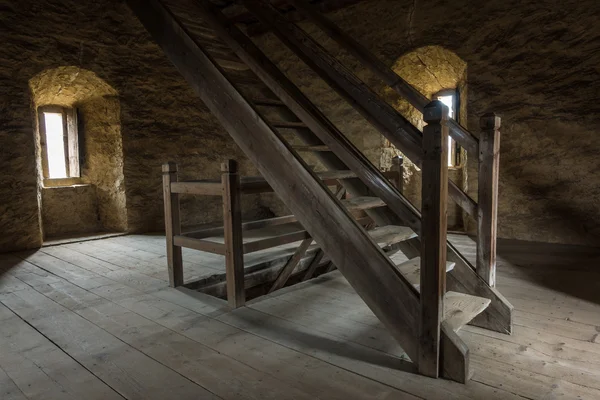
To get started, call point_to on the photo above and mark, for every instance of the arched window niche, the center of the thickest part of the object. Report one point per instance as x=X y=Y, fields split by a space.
x=89 y=195
x=435 y=72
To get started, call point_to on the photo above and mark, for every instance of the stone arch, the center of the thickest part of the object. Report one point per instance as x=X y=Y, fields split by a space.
x=101 y=145
x=430 y=69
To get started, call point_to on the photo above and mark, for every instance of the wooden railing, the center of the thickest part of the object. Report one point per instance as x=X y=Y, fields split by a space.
x=231 y=188
x=397 y=129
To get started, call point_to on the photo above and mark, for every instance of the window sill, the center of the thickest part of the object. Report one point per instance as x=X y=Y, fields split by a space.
x=63 y=182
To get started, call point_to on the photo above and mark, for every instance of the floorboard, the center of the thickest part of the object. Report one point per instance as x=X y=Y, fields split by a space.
x=97 y=320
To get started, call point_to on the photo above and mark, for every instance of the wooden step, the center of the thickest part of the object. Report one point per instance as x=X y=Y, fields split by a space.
x=388 y=235
x=289 y=125
x=411 y=269
x=268 y=103
x=311 y=148
x=461 y=308
x=363 y=203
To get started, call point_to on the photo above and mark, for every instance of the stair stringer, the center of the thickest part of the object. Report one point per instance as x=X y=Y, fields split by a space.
x=464 y=279
x=455 y=350
x=374 y=277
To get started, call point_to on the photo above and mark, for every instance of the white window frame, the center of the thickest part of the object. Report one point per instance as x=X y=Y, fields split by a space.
x=454 y=147
x=71 y=142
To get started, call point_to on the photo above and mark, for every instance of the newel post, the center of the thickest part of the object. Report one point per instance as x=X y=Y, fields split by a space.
x=232 y=224
x=487 y=212
x=433 y=235
x=172 y=225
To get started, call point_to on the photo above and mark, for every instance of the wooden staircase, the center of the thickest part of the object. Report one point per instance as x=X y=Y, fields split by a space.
x=256 y=102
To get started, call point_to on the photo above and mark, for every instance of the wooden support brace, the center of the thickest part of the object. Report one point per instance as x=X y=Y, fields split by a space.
x=433 y=235
x=287 y=270
x=314 y=263
x=487 y=212
x=232 y=223
x=172 y=225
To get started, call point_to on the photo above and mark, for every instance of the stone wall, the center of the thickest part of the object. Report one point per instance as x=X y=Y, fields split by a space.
x=159 y=118
x=533 y=62
x=70 y=210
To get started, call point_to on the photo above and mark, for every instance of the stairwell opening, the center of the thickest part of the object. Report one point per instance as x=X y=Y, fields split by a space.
x=90 y=196
x=436 y=72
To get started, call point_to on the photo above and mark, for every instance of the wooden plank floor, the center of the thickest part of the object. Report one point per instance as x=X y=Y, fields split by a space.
x=96 y=320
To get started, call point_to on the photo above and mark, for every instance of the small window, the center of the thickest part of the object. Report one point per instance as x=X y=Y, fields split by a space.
x=59 y=140
x=450 y=99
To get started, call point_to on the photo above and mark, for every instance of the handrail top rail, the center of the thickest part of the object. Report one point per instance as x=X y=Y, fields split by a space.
x=465 y=138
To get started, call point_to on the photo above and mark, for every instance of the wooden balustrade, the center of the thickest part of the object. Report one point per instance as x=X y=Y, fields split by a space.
x=433 y=235
x=231 y=188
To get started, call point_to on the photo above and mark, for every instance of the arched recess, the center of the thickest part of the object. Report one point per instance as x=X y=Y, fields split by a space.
x=100 y=146
x=431 y=70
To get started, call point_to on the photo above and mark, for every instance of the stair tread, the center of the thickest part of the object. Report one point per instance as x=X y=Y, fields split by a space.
x=289 y=125
x=311 y=148
x=363 y=203
x=323 y=175
x=268 y=103
x=411 y=270
x=461 y=308
x=388 y=235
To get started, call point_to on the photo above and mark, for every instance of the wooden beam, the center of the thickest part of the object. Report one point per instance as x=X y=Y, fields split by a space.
x=487 y=212
x=291 y=237
x=364 y=265
x=199 y=244
x=385 y=73
x=433 y=235
x=246 y=226
x=288 y=268
x=198 y=188
x=232 y=233
x=172 y=225
x=314 y=263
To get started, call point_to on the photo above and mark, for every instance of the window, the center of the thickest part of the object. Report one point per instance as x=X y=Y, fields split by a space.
x=450 y=99
x=60 y=147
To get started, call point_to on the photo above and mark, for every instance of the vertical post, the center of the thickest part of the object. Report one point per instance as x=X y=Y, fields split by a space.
x=232 y=223
x=487 y=212
x=397 y=166
x=433 y=235
x=172 y=225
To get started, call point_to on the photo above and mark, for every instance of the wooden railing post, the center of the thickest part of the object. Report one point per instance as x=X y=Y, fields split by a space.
x=398 y=167
x=232 y=224
x=172 y=225
x=487 y=212
x=433 y=235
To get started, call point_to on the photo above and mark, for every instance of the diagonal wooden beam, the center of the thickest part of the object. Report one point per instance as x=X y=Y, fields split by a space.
x=289 y=267
x=314 y=263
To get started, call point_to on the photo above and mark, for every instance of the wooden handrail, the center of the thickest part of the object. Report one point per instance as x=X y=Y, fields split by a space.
x=385 y=73
x=382 y=116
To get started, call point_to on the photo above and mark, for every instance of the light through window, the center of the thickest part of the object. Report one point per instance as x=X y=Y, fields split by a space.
x=55 y=145
x=448 y=101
